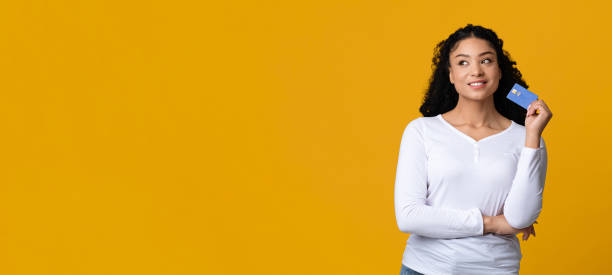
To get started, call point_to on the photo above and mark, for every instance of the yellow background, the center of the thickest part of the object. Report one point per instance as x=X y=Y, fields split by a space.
x=261 y=137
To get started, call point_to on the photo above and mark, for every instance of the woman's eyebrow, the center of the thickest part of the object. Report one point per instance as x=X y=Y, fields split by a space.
x=466 y=55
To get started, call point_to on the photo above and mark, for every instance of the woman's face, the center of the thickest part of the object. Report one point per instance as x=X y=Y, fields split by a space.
x=474 y=61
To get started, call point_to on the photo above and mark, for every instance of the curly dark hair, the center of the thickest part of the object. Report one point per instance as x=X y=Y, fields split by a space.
x=441 y=95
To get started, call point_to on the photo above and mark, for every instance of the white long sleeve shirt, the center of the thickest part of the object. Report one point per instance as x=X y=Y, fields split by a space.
x=446 y=181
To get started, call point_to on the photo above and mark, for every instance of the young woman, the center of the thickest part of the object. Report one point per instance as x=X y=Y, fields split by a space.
x=471 y=171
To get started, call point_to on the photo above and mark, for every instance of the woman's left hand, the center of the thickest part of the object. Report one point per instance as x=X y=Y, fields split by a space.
x=528 y=231
x=535 y=122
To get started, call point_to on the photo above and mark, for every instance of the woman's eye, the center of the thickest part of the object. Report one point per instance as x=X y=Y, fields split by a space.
x=488 y=60
x=461 y=62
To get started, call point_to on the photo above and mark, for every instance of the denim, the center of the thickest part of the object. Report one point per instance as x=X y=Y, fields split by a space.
x=407 y=271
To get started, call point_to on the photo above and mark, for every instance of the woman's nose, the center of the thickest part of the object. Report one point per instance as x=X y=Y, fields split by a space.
x=476 y=70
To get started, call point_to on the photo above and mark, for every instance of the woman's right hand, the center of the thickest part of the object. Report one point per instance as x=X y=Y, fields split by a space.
x=499 y=225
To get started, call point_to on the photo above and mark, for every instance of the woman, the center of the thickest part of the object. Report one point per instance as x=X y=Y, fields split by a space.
x=471 y=171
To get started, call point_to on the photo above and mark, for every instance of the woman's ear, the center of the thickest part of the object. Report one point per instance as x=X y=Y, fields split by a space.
x=450 y=76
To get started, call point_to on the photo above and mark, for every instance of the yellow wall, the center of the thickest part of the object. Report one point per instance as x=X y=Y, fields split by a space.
x=261 y=137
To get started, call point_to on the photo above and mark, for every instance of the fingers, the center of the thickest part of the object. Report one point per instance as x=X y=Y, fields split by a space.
x=530 y=108
x=543 y=105
x=529 y=232
x=539 y=106
x=526 y=232
x=533 y=107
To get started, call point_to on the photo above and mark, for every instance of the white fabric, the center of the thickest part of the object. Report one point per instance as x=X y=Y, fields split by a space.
x=446 y=181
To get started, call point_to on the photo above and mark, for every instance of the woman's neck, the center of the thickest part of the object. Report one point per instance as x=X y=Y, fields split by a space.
x=477 y=113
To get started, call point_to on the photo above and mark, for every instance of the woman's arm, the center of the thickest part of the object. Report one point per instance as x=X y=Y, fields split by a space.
x=412 y=214
x=524 y=201
x=499 y=225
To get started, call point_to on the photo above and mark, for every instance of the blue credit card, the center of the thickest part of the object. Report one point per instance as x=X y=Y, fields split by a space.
x=521 y=96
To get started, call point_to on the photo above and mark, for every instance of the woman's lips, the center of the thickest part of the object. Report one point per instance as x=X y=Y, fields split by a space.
x=478 y=87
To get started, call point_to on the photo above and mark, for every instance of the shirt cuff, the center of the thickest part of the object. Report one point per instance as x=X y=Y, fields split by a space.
x=479 y=226
x=529 y=150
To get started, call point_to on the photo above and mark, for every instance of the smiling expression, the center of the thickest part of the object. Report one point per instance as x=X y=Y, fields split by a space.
x=474 y=69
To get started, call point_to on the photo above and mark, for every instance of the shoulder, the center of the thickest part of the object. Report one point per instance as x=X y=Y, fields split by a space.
x=422 y=126
x=423 y=121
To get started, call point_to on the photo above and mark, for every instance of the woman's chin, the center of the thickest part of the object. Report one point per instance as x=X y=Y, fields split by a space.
x=476 y=95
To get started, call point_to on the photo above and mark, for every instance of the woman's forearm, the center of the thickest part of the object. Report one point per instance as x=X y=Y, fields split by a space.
x=495 y=224
x=532 y=140
x=488 y=224
x=485 y=224
x=499 y=225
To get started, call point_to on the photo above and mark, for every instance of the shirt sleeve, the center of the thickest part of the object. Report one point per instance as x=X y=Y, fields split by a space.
x=411 y=212
x=524 y=201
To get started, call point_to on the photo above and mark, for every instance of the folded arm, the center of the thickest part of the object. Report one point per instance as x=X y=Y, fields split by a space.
x=524 y=201
x=412 y=214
